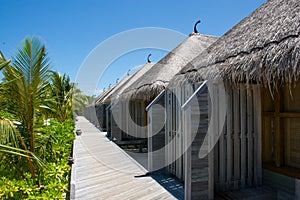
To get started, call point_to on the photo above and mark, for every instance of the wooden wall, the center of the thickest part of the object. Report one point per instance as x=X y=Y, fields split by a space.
x=197 y=171
x=238 y=162
x=90 y=114
x=108 y=121
x=126 y=111
x=101 y=116
x=174 y=130
x=136 y=112
x=156 y=136
x=281 y=138
x=234 y=161
x=116 y=133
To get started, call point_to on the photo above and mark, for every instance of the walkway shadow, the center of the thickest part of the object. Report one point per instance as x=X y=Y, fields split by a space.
x=168 y=181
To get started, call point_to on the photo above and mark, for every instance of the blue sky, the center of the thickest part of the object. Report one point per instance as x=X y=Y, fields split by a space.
x=71 y=29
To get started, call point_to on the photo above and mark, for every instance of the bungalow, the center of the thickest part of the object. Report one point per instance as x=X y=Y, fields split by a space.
x=103 y=103
x=118 y=109
x=90 y=111
x=151 y=84
x=240 y=127
x=164 y=145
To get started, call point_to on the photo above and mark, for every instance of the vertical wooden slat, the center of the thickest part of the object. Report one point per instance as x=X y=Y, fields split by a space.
x=278 y=135
x=222 y=150
x=178 y=134
x=136 y=119
x=129 y=126
x=259 y=134
x=297 y=188
x=222 y=162
x=126 y=126
x=139 y=115
x=187 y=156
x=172 y=152
x=150 y=145
x=139 y=119
x=133 y=116
x=173 y=139
x=167 y=129
x=236 y=138
x=182 y=120
x=215 y=123
x=143 y=117
x=222 y=140
x=250 y=134
x=243 y=135
x=229 y=119
x=211 y=175
x=118 y=132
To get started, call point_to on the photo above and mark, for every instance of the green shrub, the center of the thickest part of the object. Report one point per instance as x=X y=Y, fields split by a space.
x=55 y=146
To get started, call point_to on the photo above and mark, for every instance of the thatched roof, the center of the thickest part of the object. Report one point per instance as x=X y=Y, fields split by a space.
x=106 y=99
x=103 y=95
x=157 y=78
x=263 y=48
x=118 y=92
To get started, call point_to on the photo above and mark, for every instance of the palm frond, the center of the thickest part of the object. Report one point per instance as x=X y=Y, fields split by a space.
x=20 y=152
x=8 y=133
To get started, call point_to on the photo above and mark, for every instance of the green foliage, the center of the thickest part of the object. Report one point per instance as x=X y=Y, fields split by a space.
x=54 y=176
x=25 y=86
x=34 y=156
x=80 y=101
x=62 y=94
x=3 y=61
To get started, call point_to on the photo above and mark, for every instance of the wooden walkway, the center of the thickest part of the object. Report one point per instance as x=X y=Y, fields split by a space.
x=102 y=170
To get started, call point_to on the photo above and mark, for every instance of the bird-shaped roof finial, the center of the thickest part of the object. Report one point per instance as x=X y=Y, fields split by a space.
x=195 y=26
x=148 y=58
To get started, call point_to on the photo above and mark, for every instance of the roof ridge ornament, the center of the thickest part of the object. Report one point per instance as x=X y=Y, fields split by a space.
x=148 y=58
x=195 y=26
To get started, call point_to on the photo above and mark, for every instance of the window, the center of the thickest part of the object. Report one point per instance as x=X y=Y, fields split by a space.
x=281 y=130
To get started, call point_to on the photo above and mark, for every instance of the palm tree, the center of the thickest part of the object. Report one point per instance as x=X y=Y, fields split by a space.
x=26 y=85
x=80 y=100
x=3 y=61
x=61 y=93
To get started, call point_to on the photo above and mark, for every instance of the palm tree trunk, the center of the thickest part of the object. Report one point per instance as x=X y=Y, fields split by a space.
x=31 y=135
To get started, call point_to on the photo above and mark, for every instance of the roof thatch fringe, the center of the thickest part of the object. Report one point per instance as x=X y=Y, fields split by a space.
x=118 y=94
x=107 y=98
x=275 y=65
x=145 y=92
x=263 y=48
x=103 y=95
x=156 y=79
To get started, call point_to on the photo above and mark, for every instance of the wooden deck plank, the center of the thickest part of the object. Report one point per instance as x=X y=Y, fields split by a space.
x=102 y=170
